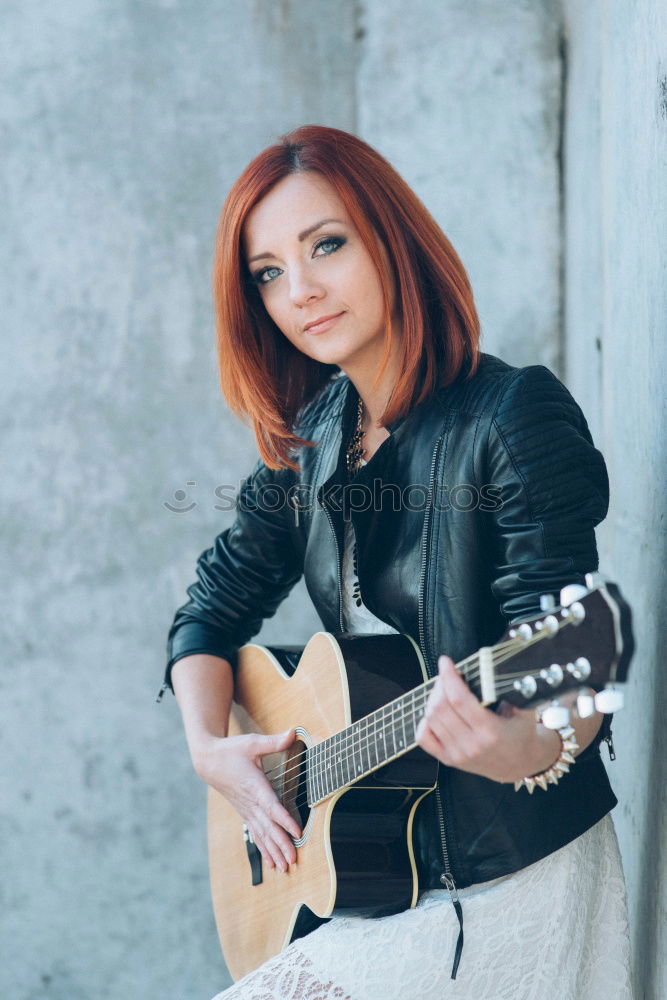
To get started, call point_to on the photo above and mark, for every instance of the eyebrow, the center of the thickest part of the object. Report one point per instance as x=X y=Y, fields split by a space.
x=301 y=237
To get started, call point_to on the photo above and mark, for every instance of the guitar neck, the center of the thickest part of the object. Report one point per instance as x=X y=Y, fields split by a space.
x=368 y=744
x=389 y=732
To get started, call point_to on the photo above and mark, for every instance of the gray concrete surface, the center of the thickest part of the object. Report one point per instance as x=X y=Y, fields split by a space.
x=616 y=348
x=464 y=98
x=122 y=127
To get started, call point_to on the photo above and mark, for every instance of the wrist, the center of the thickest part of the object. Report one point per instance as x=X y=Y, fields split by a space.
x=547 y=749
x=552 y=774
x=203 y=748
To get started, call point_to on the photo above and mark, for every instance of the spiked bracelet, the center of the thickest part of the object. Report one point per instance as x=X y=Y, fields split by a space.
x=553 y=774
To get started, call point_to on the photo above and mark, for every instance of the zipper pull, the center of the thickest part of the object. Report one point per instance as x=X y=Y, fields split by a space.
x=295 y=501
x=450 y=885
x=610 y=746
x=161 y=692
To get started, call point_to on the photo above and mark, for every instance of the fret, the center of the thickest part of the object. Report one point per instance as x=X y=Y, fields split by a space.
x=332 y=780
x=402 y=711
x=345 y=756
x=361 y=745
x=339 y=764
x=342 y=758
x=421 y=697
x=375 y=746
x=318 y=771
x=390 y=736
x=371 y=756
x=309 y=776
x=382 y=738
x=324 y=770
x=396 y=727
x=356 y=752
x=411 y=726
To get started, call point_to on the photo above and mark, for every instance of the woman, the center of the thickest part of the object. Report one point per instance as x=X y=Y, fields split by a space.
x=348 y=336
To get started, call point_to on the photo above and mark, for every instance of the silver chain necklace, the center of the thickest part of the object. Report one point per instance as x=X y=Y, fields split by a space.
x=355 y=449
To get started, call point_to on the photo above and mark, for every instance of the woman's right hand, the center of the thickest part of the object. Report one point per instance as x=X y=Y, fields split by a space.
x=232 y=765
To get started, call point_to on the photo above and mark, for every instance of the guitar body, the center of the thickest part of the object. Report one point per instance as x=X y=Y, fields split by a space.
x=355 y=853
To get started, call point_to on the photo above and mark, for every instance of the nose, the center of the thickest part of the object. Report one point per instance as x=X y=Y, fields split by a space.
x=304 y=288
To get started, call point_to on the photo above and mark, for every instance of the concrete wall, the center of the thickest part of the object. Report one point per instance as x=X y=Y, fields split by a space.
x=616 y=326
x=123 y=126
x=464 y=98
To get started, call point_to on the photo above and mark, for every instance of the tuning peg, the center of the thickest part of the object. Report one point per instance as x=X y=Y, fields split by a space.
x=595 y=579
x=572 y=592
x=585 y=704
x=547 y=602
x=555 y=716
x=610 y=700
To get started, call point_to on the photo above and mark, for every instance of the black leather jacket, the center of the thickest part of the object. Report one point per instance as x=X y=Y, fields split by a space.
x=507 y=488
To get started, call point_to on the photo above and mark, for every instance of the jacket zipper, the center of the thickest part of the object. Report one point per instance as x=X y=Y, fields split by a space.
x=341 y=623
x=446 y=877
x=610 y=745
x=295 y=503
x=161 y=692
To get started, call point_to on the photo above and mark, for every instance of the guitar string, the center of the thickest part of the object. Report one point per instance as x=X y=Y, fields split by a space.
x=501 y=652
x=357 y=741
x=301 y=784
x=280 y=770
x=498 y=657
x=302 y=787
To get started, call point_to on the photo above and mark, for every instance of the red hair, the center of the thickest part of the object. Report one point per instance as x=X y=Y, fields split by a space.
x=263 y=376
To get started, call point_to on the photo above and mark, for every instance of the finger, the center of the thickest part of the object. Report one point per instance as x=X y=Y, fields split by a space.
x=271 y=850
x=269 y=802
x=454 y=736
x=450 y=731
x=259 y=843
x=282 y=818
x=460 y=697
x=284 y=844
x=442 y=718
x=263 y=743
x=428 y=741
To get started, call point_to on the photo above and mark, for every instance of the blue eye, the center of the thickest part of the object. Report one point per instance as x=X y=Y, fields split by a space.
x=335 y=242
x=259 y=277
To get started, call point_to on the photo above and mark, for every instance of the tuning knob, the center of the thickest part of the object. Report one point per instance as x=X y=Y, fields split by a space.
x=610 y=700
x=594 y=580
x=585 y=704
x=572 y=592
x=547 y=602
x=555 y=716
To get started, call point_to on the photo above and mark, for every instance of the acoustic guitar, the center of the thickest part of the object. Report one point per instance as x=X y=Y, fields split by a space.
x=355 y=776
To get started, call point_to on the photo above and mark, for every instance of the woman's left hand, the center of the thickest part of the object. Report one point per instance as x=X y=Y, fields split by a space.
x=505 y=746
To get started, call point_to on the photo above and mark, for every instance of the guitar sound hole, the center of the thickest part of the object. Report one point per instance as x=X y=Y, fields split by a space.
x=293 y=795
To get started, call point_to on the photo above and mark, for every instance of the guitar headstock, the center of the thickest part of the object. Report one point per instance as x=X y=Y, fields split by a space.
x=585 y=642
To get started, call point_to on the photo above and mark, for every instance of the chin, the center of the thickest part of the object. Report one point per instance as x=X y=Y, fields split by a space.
x=329 y=355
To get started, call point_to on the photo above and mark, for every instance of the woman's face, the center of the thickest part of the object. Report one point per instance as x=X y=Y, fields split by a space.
x=309 y=262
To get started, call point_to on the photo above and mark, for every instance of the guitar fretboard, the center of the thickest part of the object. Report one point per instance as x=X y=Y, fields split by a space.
x=366 y=745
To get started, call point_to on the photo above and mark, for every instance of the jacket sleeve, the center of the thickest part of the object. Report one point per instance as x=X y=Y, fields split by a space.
x=554 y=490
x=242 y=579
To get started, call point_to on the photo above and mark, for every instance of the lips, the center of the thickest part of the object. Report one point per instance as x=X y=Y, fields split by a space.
x=321 y=323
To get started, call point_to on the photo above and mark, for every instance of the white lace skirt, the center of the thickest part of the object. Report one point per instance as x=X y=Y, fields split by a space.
x=557 y=928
